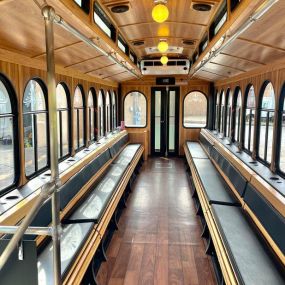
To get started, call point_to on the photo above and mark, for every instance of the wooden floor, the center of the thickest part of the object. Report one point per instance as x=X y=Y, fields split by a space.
x=158 y=241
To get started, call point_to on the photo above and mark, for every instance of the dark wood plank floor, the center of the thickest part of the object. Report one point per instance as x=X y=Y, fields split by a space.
x=158 y=241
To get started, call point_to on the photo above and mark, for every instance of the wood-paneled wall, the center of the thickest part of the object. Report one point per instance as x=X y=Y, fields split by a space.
x=144 y=86
x=19 y=75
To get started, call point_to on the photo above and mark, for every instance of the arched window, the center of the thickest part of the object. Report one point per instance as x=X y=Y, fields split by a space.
x=195 y=110
x=100 y=115
x=249 y=117
x=79 y=115
x=63 y=120
x=35 y=127
x=217 y=111
x=108 y=112
x=114 y=111
x=222 y=112
x=135 y=110
x=282 y=132
x=92 y=113
x=8 y=135
x=228 y=115
x=266 y=121
x=237 y=103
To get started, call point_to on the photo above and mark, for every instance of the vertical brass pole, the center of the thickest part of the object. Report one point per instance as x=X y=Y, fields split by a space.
x=49 y=15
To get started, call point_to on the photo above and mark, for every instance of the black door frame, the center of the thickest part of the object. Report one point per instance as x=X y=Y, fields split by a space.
x=165 y=98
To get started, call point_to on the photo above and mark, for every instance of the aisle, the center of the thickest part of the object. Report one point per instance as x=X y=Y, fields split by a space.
x=158 y=241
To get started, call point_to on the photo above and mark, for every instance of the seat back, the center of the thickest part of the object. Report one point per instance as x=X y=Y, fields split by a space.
x=272 y=221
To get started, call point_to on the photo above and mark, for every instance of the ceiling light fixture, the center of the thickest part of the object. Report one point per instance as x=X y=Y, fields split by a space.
x=160 y=12
x=164 y=59
x=163 y=46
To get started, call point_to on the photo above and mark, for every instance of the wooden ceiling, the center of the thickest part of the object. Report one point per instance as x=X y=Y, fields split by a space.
x=22 y=32
x=260 y=45
x=183 y=23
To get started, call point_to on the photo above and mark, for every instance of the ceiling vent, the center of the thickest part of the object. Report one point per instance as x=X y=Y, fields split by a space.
x=188 y=42
x=171 y=49
x=138 y=43
x=118 y=9
x=173 y=67
x=202 y=7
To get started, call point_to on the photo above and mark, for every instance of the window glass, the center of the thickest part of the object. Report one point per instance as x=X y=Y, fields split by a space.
x=78 y=118
x=100 y=115
x=222 y=113
x=84 y=5
x=35 y=128
x=108 y=112
x=249 y=120
x=237 y=123
x=282 y=144
x=217 y=111
x=114 y=111
x=266 y=128
x=228 y=115
x=7 y=148
x=62 y=120
x=135 y=110
x=92 y=113
x=195 y=110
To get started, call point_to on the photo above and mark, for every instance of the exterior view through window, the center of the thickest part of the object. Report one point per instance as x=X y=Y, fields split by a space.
x=92 y=113
x=249 y=119
x=135 y=110
x=108 y=112
x=222 y=112
x=114 y=111
x=217 y=111
x=62 y=121
x=266 y=122
x=7 y=167
x=228 y=115
x=282 y=144
x=100 y=115
x=78 y=118
x=237 y=113
x=195 y=110
x=35 y=128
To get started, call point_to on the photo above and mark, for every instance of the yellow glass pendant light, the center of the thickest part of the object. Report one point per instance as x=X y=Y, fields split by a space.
x=162 y=46
x=164 y=59
x=160 y=13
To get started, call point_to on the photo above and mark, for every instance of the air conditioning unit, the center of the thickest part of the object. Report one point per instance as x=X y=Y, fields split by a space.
x=173 y=67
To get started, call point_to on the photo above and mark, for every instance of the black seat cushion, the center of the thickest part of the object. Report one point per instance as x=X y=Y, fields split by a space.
x=216 y=189
x=252 y=263
x=74 y=184
x=272 y=221
x=72 y=240
x=196 y=150
x=236 y=178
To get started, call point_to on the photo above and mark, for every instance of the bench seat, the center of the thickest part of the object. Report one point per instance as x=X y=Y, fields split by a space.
x=250 y=260
x=196 y=150
x=215 y=188
x=72 y=240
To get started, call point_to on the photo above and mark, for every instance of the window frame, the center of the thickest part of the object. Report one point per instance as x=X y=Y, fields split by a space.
x=183 y=104
x=102 y=94
x=97 y=9
x=84 y=7
x=221 y=116
x=259 y=110
x=77 y=147
x=247 y=149
x=227 y=128
x=146 y=110
x=236 y=93
x=92 y=92
x=67 y=93
x=15 y=115
x=108 y=119
x=281 y=114
x=114 y=110
x=45 y=94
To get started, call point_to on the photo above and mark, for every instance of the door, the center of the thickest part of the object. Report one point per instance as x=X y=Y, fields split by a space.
x=164 y=121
